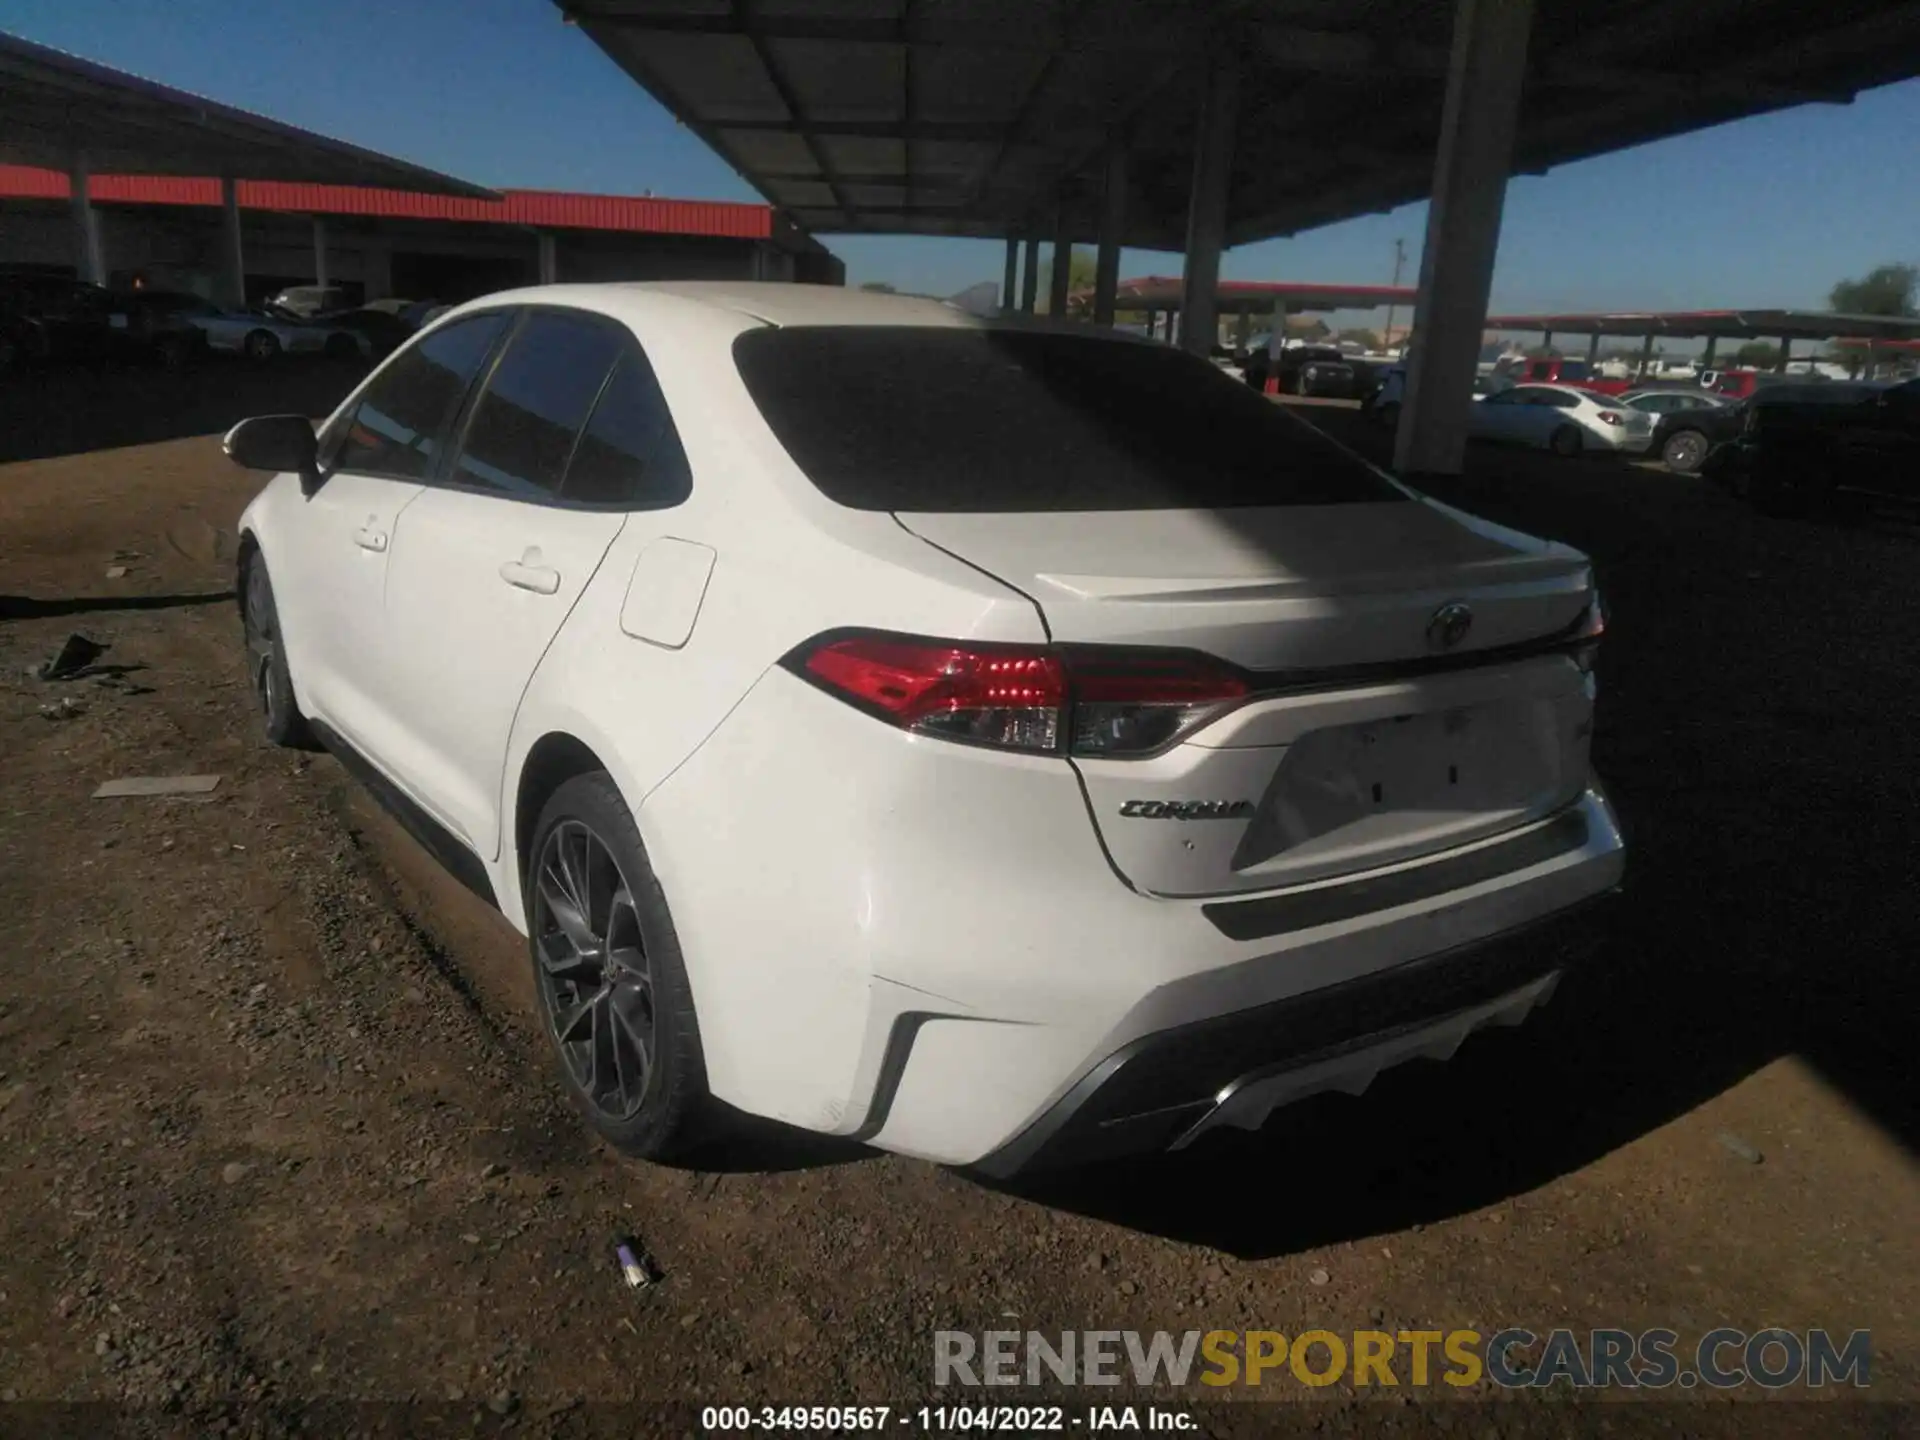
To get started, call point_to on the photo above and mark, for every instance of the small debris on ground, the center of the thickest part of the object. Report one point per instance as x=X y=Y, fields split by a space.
x=65 y=709
x=1739 y=1148
x=1318 y=1277
x=75 y=655
x=634 y=1264
x=156 y=785
x=116 y=572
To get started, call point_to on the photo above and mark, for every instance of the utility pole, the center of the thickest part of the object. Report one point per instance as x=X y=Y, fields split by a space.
x=1399 y=259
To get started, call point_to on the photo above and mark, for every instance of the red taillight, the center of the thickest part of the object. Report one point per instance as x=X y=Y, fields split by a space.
x=1091 y=702
x=992 y=695
x=1611 y=417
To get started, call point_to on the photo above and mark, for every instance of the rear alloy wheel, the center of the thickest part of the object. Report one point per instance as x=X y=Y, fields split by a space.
x=609 y=977
x=260 y=345
x=1683 y=451
x=1565 y=442
x=267 y=660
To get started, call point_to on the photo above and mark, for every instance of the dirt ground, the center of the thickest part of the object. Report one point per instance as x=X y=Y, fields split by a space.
x=277 y=1127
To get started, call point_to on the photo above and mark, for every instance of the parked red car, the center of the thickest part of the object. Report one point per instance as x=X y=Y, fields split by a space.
x=1561 y=371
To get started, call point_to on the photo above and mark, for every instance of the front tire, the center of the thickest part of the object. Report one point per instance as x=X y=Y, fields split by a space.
x=272 y=681
x=260 y=346
x=608 y=975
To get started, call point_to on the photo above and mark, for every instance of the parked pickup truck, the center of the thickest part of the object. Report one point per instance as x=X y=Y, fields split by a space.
x=1791 y=455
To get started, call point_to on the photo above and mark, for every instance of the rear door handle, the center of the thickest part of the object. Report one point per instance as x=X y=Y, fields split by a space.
x=540 y=579
x=368 y=538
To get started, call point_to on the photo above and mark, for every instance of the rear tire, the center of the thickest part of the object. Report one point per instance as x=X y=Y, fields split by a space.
x=1684 y=451
x=1565 y=442
x=260 y=346
x=608 y=975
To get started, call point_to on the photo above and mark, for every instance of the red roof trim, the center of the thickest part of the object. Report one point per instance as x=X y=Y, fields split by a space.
x=546 y=209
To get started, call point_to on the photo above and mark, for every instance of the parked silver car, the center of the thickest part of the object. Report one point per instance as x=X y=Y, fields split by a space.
x=261 y=336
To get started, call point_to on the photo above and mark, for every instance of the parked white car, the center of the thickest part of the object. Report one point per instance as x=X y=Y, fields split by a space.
x=997 y=741
x=1560 y=418
x=260 y=336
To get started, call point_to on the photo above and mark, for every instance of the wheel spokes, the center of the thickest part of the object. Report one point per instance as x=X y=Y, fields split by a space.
x=593 y=971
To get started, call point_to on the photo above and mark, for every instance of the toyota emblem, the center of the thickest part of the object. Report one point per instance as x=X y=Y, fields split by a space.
x=1449 y=625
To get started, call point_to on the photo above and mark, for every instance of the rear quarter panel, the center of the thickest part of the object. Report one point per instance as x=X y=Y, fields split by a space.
x=788 y=564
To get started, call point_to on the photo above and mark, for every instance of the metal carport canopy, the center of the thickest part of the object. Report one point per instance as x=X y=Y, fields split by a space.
x=979 y=117
x=1257 y=297
x=1728 y=324
x=56 y=108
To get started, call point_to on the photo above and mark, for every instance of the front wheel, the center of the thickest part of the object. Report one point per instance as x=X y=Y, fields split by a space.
x=260 y=345
x=1565 y=442
x=267 y=660
x=608 y=974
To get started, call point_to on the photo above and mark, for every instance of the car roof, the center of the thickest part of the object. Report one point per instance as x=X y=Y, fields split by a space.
x=1548 y=385
x=772 y=303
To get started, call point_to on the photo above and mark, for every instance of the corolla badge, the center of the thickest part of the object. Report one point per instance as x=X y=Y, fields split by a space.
x=1449 y=625
x=1187 y=809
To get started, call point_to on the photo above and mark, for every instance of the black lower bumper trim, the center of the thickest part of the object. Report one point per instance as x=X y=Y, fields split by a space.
x=1329 y=904
x=1151 y=1091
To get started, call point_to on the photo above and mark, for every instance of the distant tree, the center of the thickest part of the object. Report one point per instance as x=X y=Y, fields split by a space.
x=1757 y=355
x=1307 y=327
x=1365 y=339
x=878 y=287
x=1884 y=290
x=1081 y=265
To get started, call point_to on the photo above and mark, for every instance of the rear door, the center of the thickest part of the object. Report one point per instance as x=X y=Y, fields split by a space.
x=491 y=558
x=1142 y=502
x=330 y=569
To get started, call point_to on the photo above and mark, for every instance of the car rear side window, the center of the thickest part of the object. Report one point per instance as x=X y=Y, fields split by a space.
x=630 y=453
x=399 y=427
x=966 y=420
x=524 y=425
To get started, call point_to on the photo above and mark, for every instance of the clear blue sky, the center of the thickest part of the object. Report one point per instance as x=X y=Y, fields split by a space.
x=1765 y=212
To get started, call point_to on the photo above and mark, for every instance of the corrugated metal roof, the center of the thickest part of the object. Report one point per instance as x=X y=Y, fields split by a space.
x=51 y=102
x=545 y=209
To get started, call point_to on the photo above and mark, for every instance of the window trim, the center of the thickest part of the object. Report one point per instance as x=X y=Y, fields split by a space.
x=629 y=344
x=332 y=438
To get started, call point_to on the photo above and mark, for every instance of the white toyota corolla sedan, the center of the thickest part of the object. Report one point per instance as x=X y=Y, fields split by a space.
x=1004 y=743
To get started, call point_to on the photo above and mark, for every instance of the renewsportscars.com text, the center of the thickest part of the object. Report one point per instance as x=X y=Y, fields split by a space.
x=1512 y=1358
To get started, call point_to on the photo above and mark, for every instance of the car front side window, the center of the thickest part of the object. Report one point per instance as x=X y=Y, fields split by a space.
x=397 y=429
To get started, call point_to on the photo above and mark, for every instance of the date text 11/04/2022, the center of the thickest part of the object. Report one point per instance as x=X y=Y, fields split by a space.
x=944 y=1419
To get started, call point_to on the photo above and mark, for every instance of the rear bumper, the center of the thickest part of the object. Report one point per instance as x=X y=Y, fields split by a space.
x=1166 y=1089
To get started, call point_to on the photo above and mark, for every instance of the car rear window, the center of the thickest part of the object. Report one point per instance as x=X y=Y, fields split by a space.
x=903 y=418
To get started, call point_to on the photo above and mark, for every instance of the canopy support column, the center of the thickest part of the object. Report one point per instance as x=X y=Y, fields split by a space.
x=1113 y=222
x=86 y=221
x=1030 y=280
x=1477 y=123
x=1010 y=279
x=234 y=282
x=1207 y=207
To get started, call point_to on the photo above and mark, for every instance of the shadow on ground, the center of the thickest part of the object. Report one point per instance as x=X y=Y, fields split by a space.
x=1755 y=730
x=75 y=409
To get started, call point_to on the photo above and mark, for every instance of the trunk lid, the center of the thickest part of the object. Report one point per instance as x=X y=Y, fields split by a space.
x=1361 y=770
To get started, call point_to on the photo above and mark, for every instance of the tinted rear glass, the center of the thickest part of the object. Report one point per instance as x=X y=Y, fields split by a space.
x=897 y=418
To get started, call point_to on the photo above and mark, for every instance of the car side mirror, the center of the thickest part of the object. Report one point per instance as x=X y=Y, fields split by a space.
x=279 y=443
